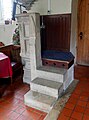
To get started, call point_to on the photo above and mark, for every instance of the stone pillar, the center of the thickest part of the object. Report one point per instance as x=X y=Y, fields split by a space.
x=29 y=27
x=35 y=45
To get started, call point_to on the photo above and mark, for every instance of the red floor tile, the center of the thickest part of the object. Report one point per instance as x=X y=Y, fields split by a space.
x=19 y=110
x=77 y=115
x=63 y=117
x=22 y=117
x=13 y=116
x=42 y=117
x=85 y=117
x=83 y=98
x=70 y=106
x=72 y=100
x=72 y=119
x=12 y=106
x=40 y=112
x=75 y=96
x=66 y=112
x=79 y=109
x=88 y=104
x=86 y=111
x=85 y=93
x=81 y=103
x=78 y=92
x=32 y=114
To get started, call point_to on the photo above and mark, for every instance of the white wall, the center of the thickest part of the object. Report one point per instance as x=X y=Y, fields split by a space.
x=60 y=6
x=41 y=6
x=57 y=6
x=6 y=33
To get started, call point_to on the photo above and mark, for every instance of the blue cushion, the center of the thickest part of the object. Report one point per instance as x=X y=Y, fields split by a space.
x=57 y=55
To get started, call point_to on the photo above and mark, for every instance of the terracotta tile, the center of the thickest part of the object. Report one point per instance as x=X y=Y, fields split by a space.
x=82 y=103
x=79 y=109
x=31 y=114
x=83 y=98
x=13 y=100
x=77 y=115
x=63 y=117
x=85 y=117
x=75 y=95
x=66 y=112
x=4 y=111
x=72 y=100
x=2 y=104
x=69 y=105
x=22 y=117
x=19 y=110
x=4 y=117
x=35 y=116
x=42 y=117
x=14 y=107
x=86 y=111
x=26 y=113
x=19 y=96
x=40 y=112
x=77 y=91
x=88 y=105
x=72 y=119
x=13 y=115
x=21 y=104
x=85 y=94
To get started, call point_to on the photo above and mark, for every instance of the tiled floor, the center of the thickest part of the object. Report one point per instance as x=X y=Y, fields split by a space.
x=12 y=105
x=77 y=107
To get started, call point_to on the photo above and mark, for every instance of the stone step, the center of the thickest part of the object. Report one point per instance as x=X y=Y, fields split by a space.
x=47 y=87
x=52 y=73
x=39 y=101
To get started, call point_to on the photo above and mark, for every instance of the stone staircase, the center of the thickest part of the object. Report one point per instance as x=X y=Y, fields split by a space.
x=51 y=73
x=47 y=87
x=43 y=94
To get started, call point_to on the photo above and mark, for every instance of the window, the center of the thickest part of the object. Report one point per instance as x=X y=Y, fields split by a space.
x=6 y=9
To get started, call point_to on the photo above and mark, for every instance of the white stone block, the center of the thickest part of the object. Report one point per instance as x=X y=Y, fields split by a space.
x=51 y=73
x=39 y=101
x=47 y=87
x=27 y=76
x=69 y=77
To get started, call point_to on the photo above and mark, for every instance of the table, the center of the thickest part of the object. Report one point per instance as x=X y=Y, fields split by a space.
x=5 y=66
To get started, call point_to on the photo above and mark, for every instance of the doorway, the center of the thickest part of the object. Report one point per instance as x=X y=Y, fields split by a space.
x=83 y=33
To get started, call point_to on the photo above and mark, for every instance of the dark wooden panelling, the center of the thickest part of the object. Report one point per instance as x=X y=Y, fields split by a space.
x=56 y=34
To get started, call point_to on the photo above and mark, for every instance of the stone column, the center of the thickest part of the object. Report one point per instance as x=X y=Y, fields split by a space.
x=29 y=27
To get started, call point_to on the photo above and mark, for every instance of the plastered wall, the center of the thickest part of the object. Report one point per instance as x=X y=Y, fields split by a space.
x=41 y=6
x=57 y=6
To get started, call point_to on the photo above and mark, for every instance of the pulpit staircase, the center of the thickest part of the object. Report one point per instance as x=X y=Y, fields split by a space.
x=47 y=83
x=47 y=87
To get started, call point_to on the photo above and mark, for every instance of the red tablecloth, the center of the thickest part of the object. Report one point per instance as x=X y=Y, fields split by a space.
x=5 y=66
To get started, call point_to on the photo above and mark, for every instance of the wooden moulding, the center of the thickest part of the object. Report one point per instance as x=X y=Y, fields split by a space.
x=57 y=63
